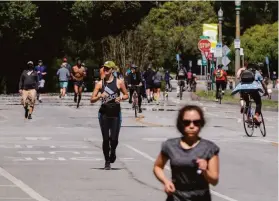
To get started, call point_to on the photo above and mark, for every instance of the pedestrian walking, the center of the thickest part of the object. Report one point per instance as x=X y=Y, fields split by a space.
x=194 y=161
x=108 y=91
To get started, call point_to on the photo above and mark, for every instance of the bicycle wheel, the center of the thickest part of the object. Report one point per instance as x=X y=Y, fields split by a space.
x=262 y=126
x=248 y=124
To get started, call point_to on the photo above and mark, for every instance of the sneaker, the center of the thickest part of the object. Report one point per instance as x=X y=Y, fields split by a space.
x=107 y=166
x=140 y=110
x=112 y=157
x=130 y=101
x=223 y=92
x=29 y=116
x=40 y=101
x=216 y=100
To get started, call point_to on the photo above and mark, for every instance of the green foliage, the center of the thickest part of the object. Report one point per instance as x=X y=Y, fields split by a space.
x=18 y=20
x=260 y=41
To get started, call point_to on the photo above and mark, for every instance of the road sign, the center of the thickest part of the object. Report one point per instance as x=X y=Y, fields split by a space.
x=190 y=63
x=177 y=57
x=204 y=61
x=267 y=60
x=199 y=62
x=218 y=50
x=204 y=37
x=225 y=61
x=241 y=52
x=209 y=56
x=226 y=50
x=236 y=43
x=204 y=45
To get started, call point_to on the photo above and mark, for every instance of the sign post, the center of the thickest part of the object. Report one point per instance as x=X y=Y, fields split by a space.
x=267 y=63
x=177 y=59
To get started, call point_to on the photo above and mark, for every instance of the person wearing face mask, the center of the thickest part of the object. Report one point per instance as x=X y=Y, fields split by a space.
x=110 y=118
x=194 y=161
x=28 y=86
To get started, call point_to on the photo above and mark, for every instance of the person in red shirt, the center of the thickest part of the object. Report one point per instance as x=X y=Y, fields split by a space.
x=220 y=79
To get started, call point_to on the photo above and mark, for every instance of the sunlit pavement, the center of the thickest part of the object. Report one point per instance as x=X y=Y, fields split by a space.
x=57 y=155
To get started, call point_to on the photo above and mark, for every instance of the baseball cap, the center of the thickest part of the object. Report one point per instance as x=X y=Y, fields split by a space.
x=40 y=61
x=30 y=62
x=109 y=64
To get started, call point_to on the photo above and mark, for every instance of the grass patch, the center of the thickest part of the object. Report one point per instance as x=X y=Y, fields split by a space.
x=228 y=98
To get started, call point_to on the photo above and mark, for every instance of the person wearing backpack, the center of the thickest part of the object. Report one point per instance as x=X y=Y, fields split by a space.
x=181 y=76
x=251 y=82
x=220 y=79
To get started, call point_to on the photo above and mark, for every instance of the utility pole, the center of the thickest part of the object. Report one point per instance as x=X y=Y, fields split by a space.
x=237 y=37
x=220 y=18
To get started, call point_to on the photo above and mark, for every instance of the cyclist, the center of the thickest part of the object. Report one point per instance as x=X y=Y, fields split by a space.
x=220 y=80
x=180 y=76
x=110 y=117
x=28 y=84
x=134 y=79
x=78 y=74
x=252 y=83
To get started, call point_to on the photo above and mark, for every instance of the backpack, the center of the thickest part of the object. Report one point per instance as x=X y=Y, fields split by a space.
x=219 y=73
x=181 y=72
x=247 y=76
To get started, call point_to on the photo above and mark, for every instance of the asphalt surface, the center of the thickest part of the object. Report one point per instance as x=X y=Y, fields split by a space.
x=57 y=155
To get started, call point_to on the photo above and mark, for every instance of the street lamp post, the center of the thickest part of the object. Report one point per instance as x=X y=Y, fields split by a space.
x=237 y=36
x=220 y=19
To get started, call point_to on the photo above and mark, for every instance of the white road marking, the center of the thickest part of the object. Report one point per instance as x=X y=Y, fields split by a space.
x=8 y=185
x=29 y=191
x=14 y=198
x=145 y=155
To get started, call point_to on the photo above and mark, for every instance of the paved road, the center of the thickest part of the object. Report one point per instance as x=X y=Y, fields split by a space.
x=57 y=156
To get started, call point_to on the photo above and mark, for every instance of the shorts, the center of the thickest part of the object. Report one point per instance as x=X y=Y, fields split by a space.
x=42 y=83
x=63 y=84
x=28 y=96
x=79 y=83
x=157 y=85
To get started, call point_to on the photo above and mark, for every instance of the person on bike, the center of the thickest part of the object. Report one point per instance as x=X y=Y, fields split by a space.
x=148 y=77
x=41 y=71
x=252 y=83
x=78 y=74
x=220 y=80
x=238 y=76
x=28 y=86
x=168 y=77
x=110 y=118
x=134 y=79
x=189 y=78
x=181 y=76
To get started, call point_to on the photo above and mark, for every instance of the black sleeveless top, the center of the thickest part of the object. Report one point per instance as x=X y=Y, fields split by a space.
x=112 y=91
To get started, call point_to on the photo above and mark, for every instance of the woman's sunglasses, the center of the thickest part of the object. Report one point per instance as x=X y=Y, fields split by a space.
x=106 y=69
x=195 y=122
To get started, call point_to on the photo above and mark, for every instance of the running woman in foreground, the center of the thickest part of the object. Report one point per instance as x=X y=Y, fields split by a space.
x=110 y=117
x=194 y=161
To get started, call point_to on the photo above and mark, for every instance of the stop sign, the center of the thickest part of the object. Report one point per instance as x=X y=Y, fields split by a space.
x=204 y=45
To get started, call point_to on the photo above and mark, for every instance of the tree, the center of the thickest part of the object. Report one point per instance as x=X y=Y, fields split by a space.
x=260 y=41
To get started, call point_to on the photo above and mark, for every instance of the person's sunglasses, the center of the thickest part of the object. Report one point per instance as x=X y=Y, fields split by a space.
x=106 y=69
x=196 y=123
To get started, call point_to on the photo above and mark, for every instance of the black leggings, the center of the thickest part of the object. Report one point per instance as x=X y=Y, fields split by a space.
x=218 y=85
x=256 y=97
x=110 y=128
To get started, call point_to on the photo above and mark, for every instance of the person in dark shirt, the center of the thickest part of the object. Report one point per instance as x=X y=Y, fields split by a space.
x=28 y=86
x=148 y=77
x=194 y=161
x=134 y=79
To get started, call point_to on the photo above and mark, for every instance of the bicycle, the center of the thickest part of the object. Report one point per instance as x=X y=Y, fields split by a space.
x=248 y=120
x=135 y=100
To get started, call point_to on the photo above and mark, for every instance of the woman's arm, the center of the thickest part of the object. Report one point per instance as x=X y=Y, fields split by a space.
x=211 y=174
x=95 y=97
x=123 y=89
x=158 y=169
